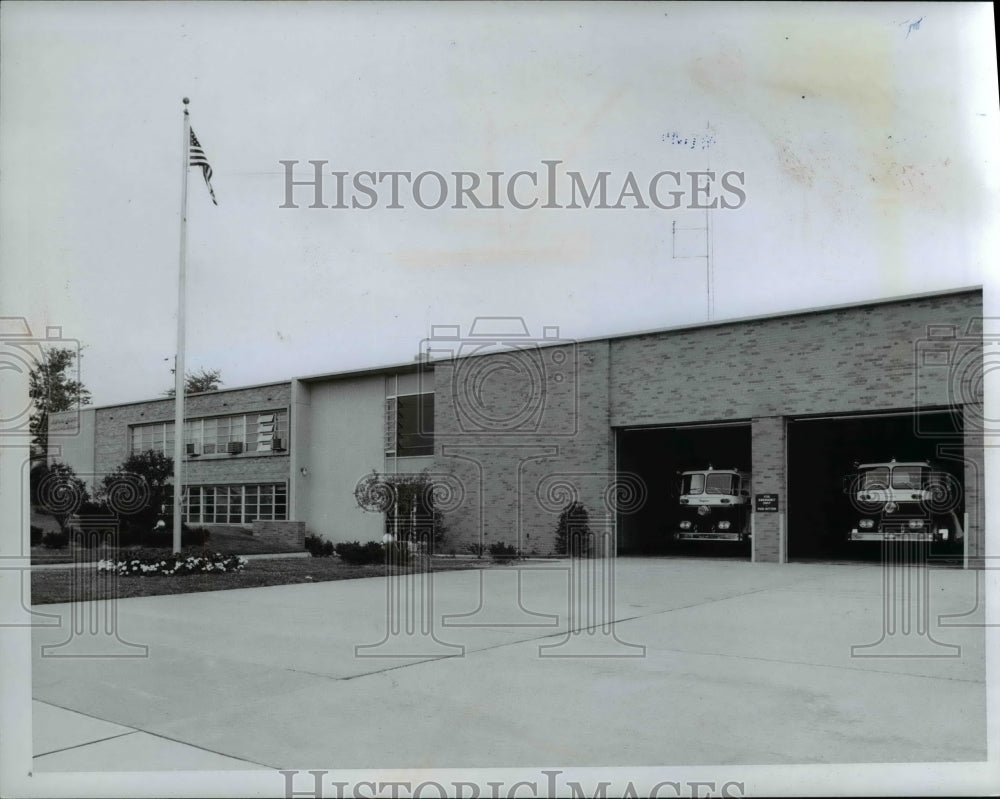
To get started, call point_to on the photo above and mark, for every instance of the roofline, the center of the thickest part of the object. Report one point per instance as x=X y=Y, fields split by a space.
x=413 y=366
x=818 y=309
x=407 y=367
x=186 y=396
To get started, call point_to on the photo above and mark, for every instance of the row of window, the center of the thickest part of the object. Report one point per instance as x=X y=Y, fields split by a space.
x=235 y=504
x=234 y=434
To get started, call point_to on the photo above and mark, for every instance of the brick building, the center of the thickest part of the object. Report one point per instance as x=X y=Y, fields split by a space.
x=512 y=433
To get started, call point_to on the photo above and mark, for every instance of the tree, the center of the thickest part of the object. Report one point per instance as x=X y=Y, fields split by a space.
x=139 y=491
x=52 y=389
x=196 y=382
x=56 y=491
x=573 y=535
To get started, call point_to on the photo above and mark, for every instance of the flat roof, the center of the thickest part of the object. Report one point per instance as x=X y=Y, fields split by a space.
x=406 y=367
x=412 y=366
x=187 y=396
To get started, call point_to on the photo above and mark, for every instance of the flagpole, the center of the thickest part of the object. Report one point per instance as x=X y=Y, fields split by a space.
x=179 y=360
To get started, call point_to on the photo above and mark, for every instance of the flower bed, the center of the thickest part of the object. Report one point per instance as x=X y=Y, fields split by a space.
x=190 y=564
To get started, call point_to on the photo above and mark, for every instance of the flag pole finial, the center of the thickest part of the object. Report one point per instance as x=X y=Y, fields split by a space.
x=186 y=101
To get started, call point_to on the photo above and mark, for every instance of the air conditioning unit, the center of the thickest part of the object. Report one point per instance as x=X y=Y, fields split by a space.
x=277 y=445
x=193 y=450
x=234 y=447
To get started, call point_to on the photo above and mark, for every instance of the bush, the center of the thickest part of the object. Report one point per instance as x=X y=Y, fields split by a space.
x=573 y=531
x=36 y=535
x=476 y=549
x=359 y=554
x=55 y=540
x=172 y=564
x=164 y=538
x=319 y=547
x=407 y=503
x=501 y=551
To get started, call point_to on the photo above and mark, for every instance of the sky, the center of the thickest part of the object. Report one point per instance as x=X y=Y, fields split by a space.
x=864 y=135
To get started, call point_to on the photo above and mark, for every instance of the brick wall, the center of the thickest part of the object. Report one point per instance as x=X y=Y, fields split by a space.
x=851 y=360
x=516 y=477
x=854 y=359
x=768 y=477
x=112 y=434
x=287 y=533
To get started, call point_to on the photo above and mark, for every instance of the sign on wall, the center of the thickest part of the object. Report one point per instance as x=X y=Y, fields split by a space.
x=766 y=503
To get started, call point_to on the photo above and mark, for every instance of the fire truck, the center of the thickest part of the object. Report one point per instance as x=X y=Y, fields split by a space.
x=714 y=505
x=904 y=500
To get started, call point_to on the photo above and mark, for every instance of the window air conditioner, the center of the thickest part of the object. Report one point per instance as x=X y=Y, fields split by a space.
x=234 y=447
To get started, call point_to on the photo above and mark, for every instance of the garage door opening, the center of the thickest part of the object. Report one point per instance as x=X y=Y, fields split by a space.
x=854 y=479
x=665 y=526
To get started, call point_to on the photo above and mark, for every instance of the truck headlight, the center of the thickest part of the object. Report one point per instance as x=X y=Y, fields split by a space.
x=723 y=525
x=685 y=525
x=866 y=524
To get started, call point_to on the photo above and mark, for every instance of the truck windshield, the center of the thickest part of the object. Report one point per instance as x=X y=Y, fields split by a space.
x=719 y=484
x=875 y=478
x=693 y=484
x=907 y=477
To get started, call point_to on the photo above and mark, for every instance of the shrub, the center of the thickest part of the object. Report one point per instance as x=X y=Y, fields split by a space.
x=407 y=503
x=164 y=538
x=501 y=551
x=476 y=549
x=359 y=554
x=319 y=547
x=573 y=531
x=172 y=565
x=55 y=540
x=36 y=535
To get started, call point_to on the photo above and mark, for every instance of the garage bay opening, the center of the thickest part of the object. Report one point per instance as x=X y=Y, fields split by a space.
x=698 y=482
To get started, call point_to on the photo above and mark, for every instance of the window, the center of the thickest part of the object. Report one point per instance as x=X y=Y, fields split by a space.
x=236 y=504
x=217 y=435
x=693 y=484
x=876 y=478
x=911 y=477
x=719 y=484
x=409 y=425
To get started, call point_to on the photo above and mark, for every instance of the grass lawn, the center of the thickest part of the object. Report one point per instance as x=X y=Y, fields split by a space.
x=56 y=585
x=227 y=540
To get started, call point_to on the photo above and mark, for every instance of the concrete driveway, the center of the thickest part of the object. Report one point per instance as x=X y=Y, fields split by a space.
x=706 y=662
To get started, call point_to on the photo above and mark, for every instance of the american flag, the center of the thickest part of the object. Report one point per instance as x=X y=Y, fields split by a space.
x=198 y=158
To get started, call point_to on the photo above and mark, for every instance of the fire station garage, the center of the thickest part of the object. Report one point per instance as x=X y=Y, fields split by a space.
x=834 y=451
x=853 y=425
x=661 y=457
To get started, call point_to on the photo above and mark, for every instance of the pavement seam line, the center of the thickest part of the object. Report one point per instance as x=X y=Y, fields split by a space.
x=148 y=732
x=86 y=743
x=643 y=616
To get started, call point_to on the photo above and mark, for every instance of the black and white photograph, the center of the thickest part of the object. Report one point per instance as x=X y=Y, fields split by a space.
x=497 y=400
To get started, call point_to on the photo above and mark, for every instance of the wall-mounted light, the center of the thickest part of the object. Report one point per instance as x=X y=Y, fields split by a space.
x=304 y=471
